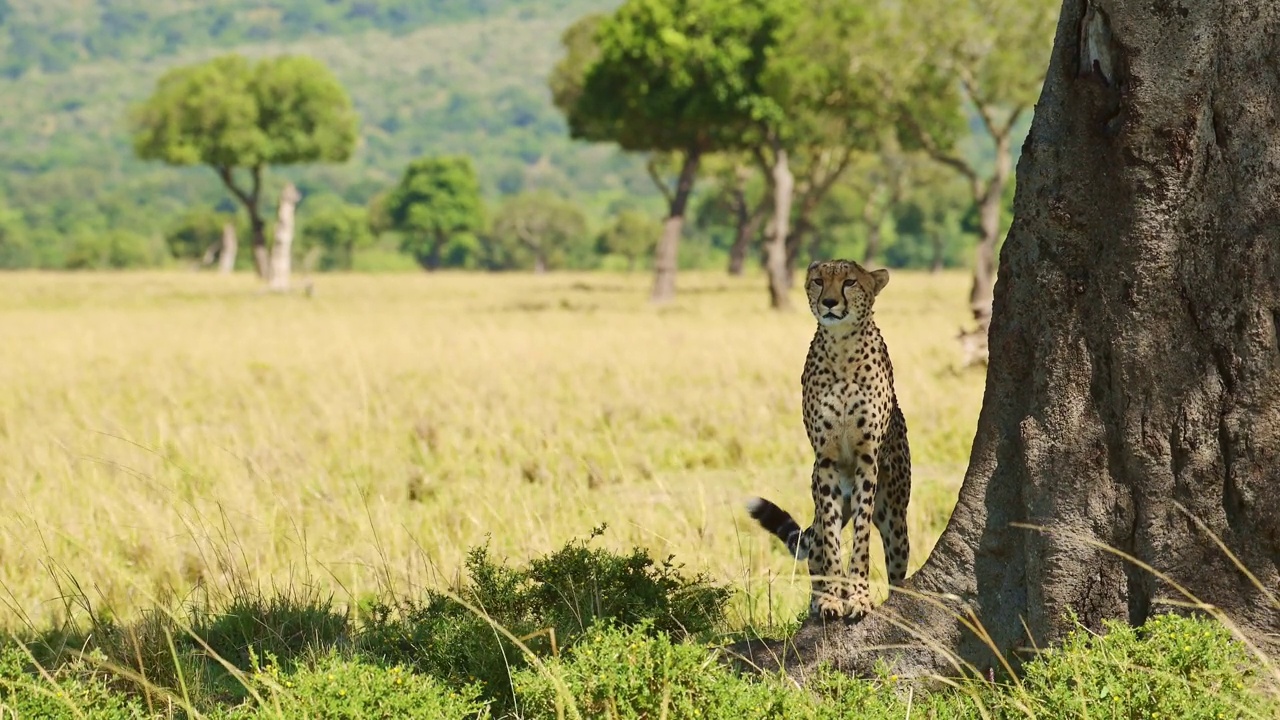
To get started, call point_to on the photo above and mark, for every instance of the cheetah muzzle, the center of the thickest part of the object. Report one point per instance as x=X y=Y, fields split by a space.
x=862 y=462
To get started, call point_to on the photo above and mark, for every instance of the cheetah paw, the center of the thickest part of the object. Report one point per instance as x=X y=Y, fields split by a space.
x=828 y=608
x=855 y=610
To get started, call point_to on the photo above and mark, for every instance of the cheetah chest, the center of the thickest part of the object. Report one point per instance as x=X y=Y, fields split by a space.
x=847 y=399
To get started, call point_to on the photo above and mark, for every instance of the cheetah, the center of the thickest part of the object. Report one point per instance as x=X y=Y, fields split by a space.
x=862 y=463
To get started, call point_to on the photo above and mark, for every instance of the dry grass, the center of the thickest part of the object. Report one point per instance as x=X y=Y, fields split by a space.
x=163 y=430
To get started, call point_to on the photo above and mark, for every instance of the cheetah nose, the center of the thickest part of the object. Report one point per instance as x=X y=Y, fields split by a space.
x=830 y=302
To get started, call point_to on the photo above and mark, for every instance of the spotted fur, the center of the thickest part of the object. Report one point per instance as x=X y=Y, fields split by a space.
x=862 y=462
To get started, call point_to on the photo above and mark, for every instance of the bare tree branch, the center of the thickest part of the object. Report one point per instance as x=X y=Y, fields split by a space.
x=652 y=167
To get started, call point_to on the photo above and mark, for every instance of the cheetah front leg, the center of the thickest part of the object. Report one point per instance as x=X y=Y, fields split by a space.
x=858 y=599
x=825 y=569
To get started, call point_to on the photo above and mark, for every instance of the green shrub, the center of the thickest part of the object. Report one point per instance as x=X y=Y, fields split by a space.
x=116 y=250
x=634 y=673
x=284 y=625
x=1170 y=667
x=157 y=653
x=73 y=690
x=338 y=688
x=555 y=599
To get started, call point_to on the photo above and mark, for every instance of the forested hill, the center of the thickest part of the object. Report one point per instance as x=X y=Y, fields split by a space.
x=428 y=76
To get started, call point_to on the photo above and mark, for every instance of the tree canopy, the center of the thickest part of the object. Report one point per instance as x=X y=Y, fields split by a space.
x=673 y=75
x=437 y=200
x=333 y=230
x=538 y=229
x=630 y=235
x=230 y=114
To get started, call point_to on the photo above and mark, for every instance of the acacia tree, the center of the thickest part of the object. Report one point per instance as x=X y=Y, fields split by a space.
x=437 y=199
x=739 y=200
x=1132 y=400
x=988 y=55
x=541 y=226
x=235 y=116
x=823 y=110
x=331 y=231
x=678 y=77
x=631 y=235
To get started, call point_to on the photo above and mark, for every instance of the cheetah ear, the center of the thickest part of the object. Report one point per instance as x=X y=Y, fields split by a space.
x=813 y=265
x=879 y=278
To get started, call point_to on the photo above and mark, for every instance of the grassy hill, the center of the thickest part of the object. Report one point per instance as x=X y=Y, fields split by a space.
x=442 y=76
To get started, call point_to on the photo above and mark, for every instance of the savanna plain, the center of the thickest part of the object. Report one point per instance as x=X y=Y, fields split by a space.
x=307 y=464
x=163 y=431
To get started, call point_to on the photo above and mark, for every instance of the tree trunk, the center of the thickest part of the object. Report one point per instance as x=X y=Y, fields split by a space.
x=433 y=254
x=741 y=239
x=257 y=226
x=539 y=264
x=800 y=229
x=1133 y=395
x=984 y=266
x=664 y=260
x=261 y=256
x=872 y=217
x=210 y=254
x=776 y=250
x=746 y=226
x=282 y=251
x=227 y=256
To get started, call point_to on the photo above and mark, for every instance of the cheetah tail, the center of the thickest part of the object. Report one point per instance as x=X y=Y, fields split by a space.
x=781 y=524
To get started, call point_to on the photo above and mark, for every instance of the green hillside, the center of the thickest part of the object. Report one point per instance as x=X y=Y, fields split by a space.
x=428 y=76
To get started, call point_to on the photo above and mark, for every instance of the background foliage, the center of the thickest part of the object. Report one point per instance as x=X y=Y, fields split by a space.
x=441 y=78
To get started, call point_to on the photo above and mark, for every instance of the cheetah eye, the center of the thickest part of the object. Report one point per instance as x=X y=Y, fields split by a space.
x=848 y=283
x=817 y=282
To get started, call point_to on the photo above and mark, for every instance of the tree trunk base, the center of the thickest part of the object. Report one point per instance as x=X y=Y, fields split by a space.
x=1126 y=461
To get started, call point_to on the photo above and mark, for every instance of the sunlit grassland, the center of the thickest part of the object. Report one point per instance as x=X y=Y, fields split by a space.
x=160 y=431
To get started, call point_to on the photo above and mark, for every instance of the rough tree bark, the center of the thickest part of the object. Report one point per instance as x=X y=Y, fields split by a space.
x=1135 y=366
x=227 y=256
x=664 y=260
x=783 y=185
x=282 y=251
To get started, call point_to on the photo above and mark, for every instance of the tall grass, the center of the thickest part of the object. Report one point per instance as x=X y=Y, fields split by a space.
x=160 y=432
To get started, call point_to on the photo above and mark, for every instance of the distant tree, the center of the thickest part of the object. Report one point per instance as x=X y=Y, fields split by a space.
x=331 y=231
x=631 y=235
x=111 y=250
x=541 y=227
x=679 y=78
x=568 y=77
x=988 y=55
x=735 y=206
x=15 y=247
x=824 y=112
x=437 y=200
x=231 y=116
x=928 y=228
x=196 y=235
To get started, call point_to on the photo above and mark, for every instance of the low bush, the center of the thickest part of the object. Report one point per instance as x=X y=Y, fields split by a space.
x=471 y=634
x=335 y=687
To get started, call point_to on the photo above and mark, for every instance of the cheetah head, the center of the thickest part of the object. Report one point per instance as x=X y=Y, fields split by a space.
x=841 y=291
